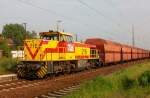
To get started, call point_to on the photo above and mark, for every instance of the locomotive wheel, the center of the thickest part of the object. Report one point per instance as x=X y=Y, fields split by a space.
x=68 y=69
x=30 y=74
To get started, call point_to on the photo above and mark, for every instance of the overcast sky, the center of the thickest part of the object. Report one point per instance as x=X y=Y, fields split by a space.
x=110 y=19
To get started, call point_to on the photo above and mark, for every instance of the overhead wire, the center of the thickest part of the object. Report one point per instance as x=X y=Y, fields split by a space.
x=73 y=20
x=60 y=15
x=51 y=11
x=44 y=9
x=111 y=3
x=98 y=12
x=101 y=14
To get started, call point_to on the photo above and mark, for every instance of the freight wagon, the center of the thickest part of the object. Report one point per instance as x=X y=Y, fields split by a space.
x=112 y=52
x=126 y=52
x=109 y=52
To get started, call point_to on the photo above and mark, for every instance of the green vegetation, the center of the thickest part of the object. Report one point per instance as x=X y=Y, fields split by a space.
x=14 y=31
x=17 y=33
x=4 y=46
x=131 y=82
x=7 y=65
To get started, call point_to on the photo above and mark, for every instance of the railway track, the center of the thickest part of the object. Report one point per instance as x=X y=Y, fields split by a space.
x=12 y=85
x=60 y=93
x=54 y=87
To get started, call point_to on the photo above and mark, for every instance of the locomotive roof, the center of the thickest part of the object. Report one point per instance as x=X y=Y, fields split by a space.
x=53 y=32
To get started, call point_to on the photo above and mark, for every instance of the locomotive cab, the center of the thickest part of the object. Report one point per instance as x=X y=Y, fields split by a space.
x=57 y=36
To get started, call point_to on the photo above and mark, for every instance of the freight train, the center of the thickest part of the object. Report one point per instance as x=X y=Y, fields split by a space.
x=56 y=52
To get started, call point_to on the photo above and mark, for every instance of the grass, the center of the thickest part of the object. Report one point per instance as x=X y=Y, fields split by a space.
x=7 y=65
x=131 y=82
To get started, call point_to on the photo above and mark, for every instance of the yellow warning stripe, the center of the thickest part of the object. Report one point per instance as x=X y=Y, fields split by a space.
x=39 y=75
x=20 y=72
x=42 y=71
x=46 y=66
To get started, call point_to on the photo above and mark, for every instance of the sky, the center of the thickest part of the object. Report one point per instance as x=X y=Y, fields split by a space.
x=109 y=19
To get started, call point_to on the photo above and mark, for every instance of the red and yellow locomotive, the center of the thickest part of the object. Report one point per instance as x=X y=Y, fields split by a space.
x=55 y=52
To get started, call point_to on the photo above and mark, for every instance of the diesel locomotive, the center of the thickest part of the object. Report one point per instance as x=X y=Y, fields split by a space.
x=53 y=53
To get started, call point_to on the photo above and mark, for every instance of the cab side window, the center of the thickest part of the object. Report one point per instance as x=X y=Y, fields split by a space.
x=62 y=38
x=69 y=39
x=66 y=38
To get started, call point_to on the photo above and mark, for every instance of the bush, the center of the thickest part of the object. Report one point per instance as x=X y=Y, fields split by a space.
x=4 y=46
x=127 y=83
x=144 y=79
x=8 y=64
x=103 y=83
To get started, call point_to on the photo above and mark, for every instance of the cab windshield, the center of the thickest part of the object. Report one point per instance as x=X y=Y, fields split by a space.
x=57 y=37
x=51 y=37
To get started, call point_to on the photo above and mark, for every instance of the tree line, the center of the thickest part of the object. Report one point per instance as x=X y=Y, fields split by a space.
x=17 y=33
